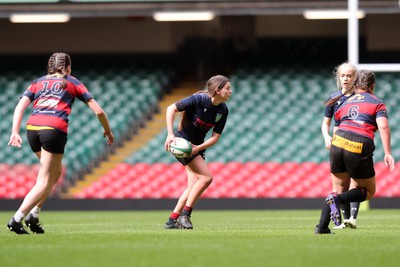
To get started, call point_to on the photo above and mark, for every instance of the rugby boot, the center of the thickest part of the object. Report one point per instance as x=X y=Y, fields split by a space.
x=335 y=210
x=322 y=231
x=185 y=221
x=342 y=226
x=351 y=223
x=34 y=224
x=16 y=227
x=174 y=225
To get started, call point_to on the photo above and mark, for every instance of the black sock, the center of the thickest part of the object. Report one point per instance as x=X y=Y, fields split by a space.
x=358 y=194
x=170 y=221
x=355 y=206
x=345 y=208
x=187 y=211
x=325 y=216
x=172 y=218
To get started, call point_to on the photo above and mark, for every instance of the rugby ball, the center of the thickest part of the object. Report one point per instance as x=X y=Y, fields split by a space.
x=180 y=148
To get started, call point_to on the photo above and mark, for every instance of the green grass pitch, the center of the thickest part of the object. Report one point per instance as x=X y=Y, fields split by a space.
x=220 y=239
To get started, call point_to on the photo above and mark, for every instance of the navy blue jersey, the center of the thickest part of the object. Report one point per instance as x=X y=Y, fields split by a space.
x=331 y=110
x=201 y=116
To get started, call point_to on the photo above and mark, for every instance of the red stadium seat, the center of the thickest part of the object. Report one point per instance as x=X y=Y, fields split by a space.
x=231 y=180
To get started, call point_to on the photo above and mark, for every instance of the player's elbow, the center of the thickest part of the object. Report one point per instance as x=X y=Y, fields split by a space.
x=100 y=112
x=384 y=127
x=172 y=108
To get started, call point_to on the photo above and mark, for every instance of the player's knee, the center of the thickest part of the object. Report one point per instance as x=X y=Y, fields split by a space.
x=370 y=194
x=208 y=180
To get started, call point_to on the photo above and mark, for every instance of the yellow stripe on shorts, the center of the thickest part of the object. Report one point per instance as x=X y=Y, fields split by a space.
x=38 y=128
x=346 y=144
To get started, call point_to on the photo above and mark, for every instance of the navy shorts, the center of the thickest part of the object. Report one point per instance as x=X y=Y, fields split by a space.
x=53 y=141
x=352 y=153
x=186 y=161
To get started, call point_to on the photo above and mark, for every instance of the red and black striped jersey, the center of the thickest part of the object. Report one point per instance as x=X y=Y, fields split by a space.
x=51 y=104
x=359 y=112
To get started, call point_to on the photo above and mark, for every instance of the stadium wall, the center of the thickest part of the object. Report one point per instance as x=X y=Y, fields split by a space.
x=203 y=204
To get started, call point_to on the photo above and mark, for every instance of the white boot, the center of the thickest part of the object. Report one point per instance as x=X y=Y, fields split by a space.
x=341 y=226
x=351 y=223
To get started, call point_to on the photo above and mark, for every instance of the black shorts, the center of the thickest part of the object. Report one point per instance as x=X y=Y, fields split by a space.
x=53 y=141
x=186 y=161
x=352 y=153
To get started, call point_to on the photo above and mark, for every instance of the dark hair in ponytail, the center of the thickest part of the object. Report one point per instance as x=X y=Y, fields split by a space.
x=214 y=83
x=333 y=101
x=366 y=80
x=58 y=64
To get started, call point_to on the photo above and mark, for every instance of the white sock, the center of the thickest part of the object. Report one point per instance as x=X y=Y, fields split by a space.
x=18 y=216
x=35 y=212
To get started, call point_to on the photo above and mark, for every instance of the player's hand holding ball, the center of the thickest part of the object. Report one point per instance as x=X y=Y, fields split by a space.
x=180 y=148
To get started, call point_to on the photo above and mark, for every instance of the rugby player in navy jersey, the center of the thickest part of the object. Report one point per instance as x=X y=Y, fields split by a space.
x=346 y=75
x=52 y=96
x=351 y=154
x=201 y=112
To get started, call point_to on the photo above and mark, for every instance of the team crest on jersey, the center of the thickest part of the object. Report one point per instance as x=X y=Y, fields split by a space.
x=218 y=117
x=356 y=98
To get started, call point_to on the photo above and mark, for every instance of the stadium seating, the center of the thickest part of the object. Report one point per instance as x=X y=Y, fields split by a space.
x=128 y=98
x=17 y=179
x=271 y=146
x=231 y=180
